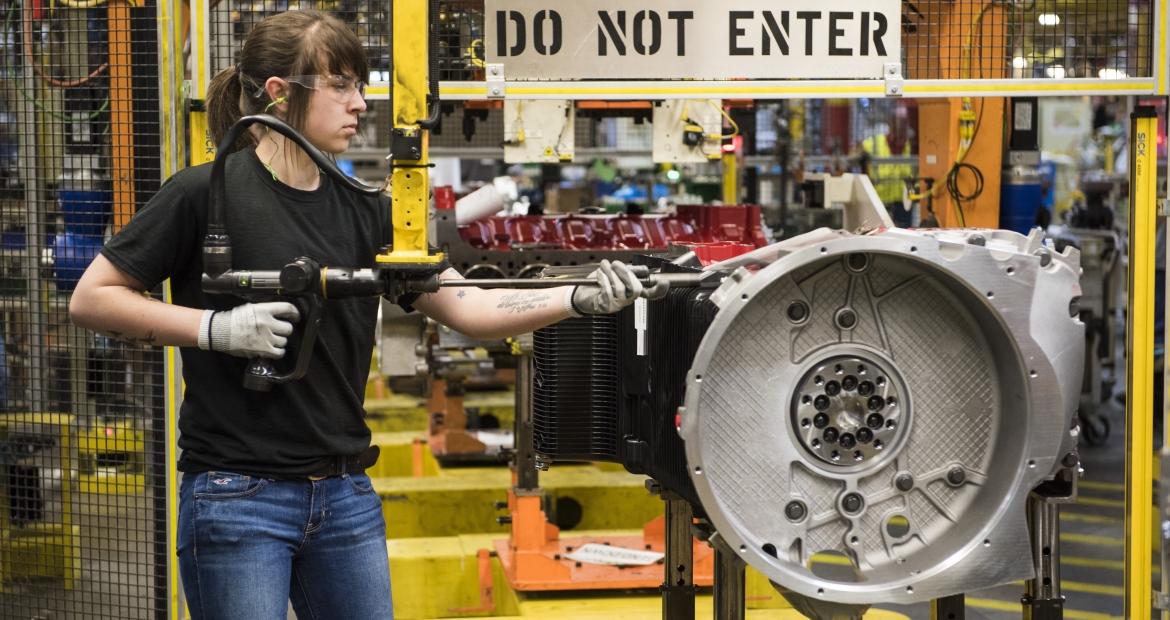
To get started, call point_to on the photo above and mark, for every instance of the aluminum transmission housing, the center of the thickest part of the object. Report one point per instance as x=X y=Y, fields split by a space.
x=892 y=398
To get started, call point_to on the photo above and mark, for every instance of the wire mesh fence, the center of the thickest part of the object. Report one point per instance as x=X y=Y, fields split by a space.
x=82 y=421
x=973 y=39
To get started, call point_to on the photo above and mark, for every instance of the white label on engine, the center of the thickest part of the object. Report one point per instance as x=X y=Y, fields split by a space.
x=593 y=553
x=640 y=324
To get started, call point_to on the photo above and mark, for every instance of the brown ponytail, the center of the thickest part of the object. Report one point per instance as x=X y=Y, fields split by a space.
x=224 y=105
x=321 y=44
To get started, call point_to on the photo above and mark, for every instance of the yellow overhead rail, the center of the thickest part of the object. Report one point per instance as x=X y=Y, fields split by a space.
x=786 y=89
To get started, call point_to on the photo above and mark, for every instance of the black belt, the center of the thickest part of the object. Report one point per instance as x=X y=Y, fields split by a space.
x=349 y=464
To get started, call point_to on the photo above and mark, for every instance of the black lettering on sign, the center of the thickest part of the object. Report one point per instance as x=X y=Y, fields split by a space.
x=655 y=32
x=879 y=32
x=681 y=18
x=864 y=34
x=779 y=33
x=835 y=32
x=808 y=17
x=538 y=33
x=619 y=40
x=735 y=32
x=502 y=33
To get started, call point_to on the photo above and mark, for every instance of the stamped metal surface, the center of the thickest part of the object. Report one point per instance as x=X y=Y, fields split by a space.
x=889 y=398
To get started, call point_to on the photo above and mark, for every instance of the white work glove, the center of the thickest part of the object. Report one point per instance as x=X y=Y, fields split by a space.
x=250 y=330
x=617 y=287
x=658 y=291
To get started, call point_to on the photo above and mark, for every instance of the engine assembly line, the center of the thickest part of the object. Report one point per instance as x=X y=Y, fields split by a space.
x=891 y=346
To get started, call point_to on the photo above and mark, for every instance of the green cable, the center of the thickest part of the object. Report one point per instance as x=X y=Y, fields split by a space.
x=29 y=98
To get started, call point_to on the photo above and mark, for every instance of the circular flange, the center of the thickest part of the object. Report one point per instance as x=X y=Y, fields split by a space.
x=850 y=410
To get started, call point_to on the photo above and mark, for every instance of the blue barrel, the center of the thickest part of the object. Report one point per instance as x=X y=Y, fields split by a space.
x=84 y=196
x=86 y=212
x=1019 y=199
x=72 y=255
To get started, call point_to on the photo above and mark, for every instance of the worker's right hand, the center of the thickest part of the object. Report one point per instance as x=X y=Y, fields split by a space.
x=250 y=330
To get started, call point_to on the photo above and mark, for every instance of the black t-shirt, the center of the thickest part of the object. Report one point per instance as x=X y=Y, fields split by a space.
x=293 y=430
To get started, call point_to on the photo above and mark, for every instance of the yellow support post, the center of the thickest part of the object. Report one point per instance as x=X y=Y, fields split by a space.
x=201 y=145
x=409 y=180
x=1139 y=407
x=730 y=179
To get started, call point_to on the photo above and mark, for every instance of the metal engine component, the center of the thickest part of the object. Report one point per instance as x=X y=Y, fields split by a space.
x=892 y=398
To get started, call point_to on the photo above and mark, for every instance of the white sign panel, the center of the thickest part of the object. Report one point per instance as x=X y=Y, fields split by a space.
x=700 y=39
x=593 y=553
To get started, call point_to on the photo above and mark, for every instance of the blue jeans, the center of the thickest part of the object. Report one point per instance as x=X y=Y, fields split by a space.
x=247 y=546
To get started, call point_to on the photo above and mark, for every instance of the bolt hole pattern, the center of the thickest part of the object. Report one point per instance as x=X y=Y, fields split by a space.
x=848 y=419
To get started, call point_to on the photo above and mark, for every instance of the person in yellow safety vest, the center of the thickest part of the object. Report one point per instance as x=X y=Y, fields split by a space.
x=887 y=178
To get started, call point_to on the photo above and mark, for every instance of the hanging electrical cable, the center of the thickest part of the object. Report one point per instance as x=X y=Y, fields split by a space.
x=476 y=61
x=36 y=102
x=968 y=130
x=28 y=46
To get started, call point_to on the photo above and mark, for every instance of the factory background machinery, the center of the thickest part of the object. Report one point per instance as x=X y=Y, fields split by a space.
x=992 y=109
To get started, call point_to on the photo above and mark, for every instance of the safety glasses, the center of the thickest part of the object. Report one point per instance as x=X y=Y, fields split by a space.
x=341 y=88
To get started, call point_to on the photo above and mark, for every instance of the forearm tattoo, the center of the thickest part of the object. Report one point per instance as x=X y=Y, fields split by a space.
x=515 y=303
x=148 y=339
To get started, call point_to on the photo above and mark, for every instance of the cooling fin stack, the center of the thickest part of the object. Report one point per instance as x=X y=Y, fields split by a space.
x=599 y=395
x=575 y=390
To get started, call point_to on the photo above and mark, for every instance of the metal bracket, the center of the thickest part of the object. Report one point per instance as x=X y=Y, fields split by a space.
x=892 y=74
x=406 y=144
x=1043 y=609
x=1161 y=601
x=1163 y=206
x=1024 y=158
x=495 y=80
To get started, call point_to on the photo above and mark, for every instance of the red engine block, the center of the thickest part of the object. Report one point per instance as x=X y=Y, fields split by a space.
x=697 y=225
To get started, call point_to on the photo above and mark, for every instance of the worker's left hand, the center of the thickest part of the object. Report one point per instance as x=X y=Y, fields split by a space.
x=617 y=287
